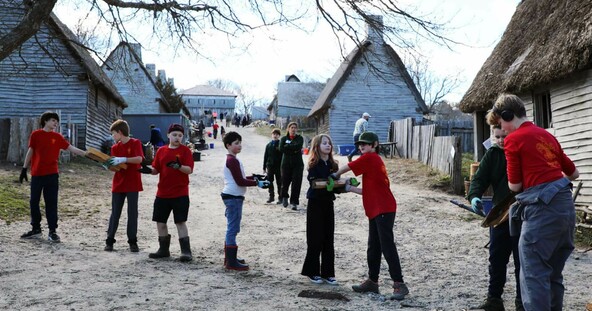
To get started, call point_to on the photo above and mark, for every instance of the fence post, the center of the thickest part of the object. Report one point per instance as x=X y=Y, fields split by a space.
x=457 y=180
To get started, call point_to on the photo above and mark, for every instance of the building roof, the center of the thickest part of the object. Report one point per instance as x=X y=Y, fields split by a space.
x=95 y=73
x=206 y=90
x=546 y=40
x=296 y=94
x=336 y=82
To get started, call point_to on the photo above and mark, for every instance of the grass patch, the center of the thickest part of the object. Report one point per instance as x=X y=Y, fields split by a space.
x=14 y=198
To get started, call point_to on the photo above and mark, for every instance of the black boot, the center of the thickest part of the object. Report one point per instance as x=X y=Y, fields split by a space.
x=163 y=251
x=109 y=244
x=133 y=245
x=271 y=199
x=231 y=261
x=185 y=249
x=491 y=304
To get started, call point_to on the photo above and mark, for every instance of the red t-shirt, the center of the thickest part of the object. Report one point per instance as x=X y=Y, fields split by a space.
x=46 y=152
x=172 y=183
x=535 y=157
x=376 y=192
x=127 y=180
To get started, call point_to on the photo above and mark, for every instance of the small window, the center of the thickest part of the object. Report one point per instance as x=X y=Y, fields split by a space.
x=542 y=110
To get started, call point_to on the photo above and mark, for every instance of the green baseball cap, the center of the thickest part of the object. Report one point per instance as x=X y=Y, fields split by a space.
x=368 y=138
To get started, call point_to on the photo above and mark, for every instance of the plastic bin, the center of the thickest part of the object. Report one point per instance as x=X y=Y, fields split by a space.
x=211 y=145
x=197 y=156
x=345 y=149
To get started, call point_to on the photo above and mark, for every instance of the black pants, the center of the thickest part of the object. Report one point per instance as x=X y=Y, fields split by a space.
x=292 y=175
x=47 y=185
x=320 y=231
x=501 y=246
x=117 y=200
x=274 y=174
x=381 y=241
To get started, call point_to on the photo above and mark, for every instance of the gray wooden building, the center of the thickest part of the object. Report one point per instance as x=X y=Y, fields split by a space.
x=294 y=98
x=51 y=71
x=544 y=58
x=372 y=79
x=135 y=81
x=203 y=100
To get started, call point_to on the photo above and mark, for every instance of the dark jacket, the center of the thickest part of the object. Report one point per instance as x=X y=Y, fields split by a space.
x=273 y=156
x=292 y=151
x=321 y=170
x=491 y=171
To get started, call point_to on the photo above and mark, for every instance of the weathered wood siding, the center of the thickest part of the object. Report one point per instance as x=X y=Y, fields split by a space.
x=199 y=103
x=385 y=98
x=102 y=112
x=132 y=82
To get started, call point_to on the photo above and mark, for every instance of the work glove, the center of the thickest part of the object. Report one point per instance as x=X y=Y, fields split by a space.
x=145 y=169
x=263 y=184
x=174 y=164
x=351 y=182
x=23 y=175
x=477 y=205
x=334 y=176
x=114 y=161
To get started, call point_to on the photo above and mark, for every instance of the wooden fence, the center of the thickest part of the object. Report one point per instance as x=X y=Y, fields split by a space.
x=420 y=142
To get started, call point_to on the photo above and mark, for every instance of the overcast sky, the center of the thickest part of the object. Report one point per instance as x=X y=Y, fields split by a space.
x=316 y=56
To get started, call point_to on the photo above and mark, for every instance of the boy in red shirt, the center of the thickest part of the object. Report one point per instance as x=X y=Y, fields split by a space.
x=380 y=207
x=127 y=183
x=174 y=163
x=544 y=217
x=44 y=150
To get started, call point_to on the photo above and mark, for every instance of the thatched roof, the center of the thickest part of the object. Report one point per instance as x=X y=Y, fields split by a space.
x=336 y=82
x=545 y=41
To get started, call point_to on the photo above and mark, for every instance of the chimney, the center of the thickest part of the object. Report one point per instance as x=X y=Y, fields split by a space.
x=375 y=29
x=151 y=68
x=137 y=48
x=171 y=81
x=162 y=75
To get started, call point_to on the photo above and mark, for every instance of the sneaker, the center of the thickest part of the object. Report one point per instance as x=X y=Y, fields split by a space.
x=400 y=290
x=316 y=279
x=294 y=207
x=53 y=237
x=108 y=248
x=134 y=247
x=368 y=286
x=331 y=281
x=35 y=233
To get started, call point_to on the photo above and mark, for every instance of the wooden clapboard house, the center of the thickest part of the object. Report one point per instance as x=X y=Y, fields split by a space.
x=294 y=98
x=372 y=79
x=52 y=71
x=544 y=58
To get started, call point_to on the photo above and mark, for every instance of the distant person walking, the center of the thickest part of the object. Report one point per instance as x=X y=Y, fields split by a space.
x=360 y=127
x=156 y=137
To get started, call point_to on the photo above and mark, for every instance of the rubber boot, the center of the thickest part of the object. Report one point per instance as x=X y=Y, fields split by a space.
x=185 y=249
x=231 y=262
x=163 y=251
x=240 y=260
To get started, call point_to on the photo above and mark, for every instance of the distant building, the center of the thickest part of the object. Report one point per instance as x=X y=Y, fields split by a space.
x=259 y=113
x=294 y=98
x=51 y=71
x=203 y=101
x=371 y=79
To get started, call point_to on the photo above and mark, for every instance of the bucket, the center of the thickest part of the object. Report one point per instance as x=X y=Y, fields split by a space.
x=197 y=156
x=209 y=134
x=305 y=151
x=474 y=167
x=211 y=145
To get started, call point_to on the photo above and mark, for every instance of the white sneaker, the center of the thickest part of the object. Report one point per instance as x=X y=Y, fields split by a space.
x=331 y=281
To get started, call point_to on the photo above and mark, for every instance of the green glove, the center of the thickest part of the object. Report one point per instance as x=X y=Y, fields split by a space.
x=330 y=184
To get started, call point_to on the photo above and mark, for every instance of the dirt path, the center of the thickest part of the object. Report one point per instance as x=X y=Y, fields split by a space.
x=442 y=252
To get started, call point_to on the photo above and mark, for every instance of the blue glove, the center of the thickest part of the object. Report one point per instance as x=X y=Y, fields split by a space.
x=477 y=205
x=263 y=184
x=334 y=176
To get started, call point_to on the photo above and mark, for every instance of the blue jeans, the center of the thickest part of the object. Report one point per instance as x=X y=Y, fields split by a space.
x=234 y=214
x=355 y=150
x=49 y=186
x=546 y=241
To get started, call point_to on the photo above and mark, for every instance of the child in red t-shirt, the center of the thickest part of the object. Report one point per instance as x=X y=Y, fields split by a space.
x=44 y=150
x=174 y=163
x=127 y=183
x=215 y=129
x=380 y=207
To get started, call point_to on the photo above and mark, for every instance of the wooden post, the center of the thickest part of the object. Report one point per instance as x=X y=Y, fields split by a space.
x=457 y=180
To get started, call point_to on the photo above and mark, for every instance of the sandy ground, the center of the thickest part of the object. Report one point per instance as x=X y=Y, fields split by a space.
x=441 y=248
